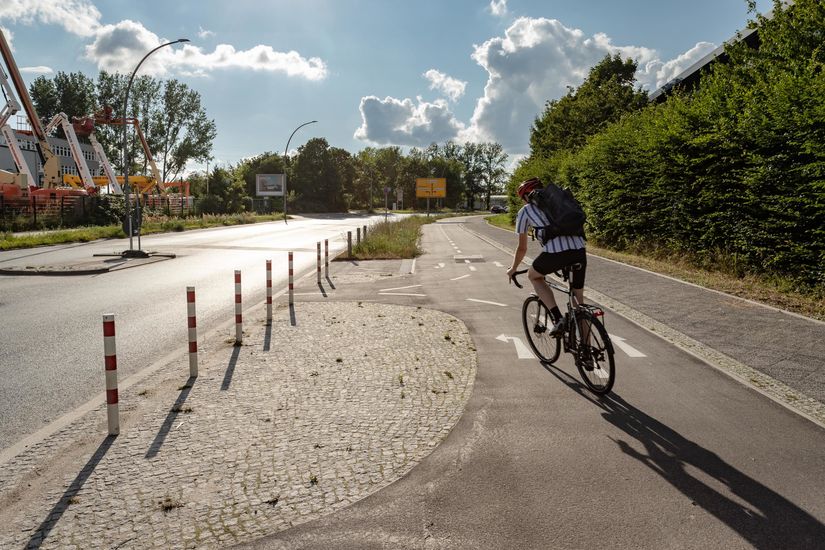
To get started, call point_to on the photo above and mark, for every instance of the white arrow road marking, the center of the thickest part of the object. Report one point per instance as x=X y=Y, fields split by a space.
x=627 y=348
x=486 y=302
x=462 y=277
x=471 y=267
x=440 y=265
x=497 y=264
x=398 y=288
x=522 y=350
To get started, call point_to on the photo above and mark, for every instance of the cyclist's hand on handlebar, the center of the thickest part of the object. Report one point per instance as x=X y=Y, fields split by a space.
x=512 y=273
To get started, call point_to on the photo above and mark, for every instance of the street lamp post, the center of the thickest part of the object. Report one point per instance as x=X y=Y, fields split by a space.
x=131 y=252
x=286 y=149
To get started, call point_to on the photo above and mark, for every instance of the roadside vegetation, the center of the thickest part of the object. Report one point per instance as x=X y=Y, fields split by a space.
x=152 y=224
x=391 y=240
x=771 y=290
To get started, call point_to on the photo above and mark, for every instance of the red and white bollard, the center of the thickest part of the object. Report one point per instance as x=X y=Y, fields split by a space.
x=269 y=292
x=291 y=287
x=110 y=361
x=192 y=325
x=326 y=258
x=238 y=310
x=318 y=263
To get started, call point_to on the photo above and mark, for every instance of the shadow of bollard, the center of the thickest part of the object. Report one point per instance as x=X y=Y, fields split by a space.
x=323 y=292
x=230 y=368
x=292 y=320
x=39 y=535
x=267 y=336
x=166 y=427
x=330 y=283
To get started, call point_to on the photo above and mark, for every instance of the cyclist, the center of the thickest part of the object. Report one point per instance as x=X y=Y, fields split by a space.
x=557 y=253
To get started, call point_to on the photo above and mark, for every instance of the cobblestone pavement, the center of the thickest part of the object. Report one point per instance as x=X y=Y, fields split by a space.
x=296 y=423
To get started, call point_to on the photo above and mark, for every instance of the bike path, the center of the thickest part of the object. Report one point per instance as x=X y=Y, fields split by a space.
x=678 y=456
x=787 y=347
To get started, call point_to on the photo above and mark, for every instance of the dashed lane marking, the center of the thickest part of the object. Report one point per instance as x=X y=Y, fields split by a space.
x=462 y=277
x=398 y=288
x=486 y=302
x=472 y=268
x=401 y=294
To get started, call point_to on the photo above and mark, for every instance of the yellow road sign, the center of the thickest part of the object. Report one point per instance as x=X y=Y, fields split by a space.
x=431 y=187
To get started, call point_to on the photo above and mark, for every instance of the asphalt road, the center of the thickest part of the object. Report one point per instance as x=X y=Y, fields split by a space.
x=678 y=456
x=51 y=351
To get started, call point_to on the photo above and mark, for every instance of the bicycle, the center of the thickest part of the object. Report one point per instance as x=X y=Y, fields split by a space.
x=584 y=335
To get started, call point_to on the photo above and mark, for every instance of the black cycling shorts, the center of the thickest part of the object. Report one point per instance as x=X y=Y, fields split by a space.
x=548 y=262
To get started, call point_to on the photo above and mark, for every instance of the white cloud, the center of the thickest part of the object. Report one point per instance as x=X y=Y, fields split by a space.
x=447 y=85
x=203 y=33
x=117 y=48
x=498 y=7
x=40 y=69
x=535 y=61
x=79 y=17
x=404 y=122
x=656 y=73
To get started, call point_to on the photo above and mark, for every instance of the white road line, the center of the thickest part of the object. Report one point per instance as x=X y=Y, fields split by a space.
x=522 y=350
x=627 y=348
x=398 y=288
x=457 y=250
x=400 y=294
x=498 y=264
x=440 y=265
x=486 y=302
x=472 y=267
x=462 y=277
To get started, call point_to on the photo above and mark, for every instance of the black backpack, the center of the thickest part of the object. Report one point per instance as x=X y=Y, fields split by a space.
x=562 y=210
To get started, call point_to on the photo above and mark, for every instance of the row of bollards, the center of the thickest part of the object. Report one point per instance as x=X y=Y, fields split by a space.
x=357 y=237
x=109 y=343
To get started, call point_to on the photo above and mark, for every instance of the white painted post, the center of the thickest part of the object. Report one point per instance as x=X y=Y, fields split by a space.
x=318 y=263
x=291 y=287
x=269 y=292
x=238 y=310
x=110 y=362
x=193 y=331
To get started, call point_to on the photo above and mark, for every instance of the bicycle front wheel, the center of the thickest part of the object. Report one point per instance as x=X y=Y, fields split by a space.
x=537 y=326
x=594 y=354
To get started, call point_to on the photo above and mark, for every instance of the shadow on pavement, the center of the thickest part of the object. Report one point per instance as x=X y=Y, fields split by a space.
x=323 y=291
x=292 y=319
x=267 y=336
x=230 y=368
x=176 y=409
x=39 y=535
x=767 y=520
x=330 y=283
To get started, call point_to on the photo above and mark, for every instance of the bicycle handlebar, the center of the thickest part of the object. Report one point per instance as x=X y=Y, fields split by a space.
x=516 y=274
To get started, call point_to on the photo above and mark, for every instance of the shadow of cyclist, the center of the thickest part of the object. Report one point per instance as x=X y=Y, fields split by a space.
x=767 y=520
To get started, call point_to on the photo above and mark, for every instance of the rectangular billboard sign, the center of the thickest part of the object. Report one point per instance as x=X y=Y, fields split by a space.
x=430 y=187
x=270 y=185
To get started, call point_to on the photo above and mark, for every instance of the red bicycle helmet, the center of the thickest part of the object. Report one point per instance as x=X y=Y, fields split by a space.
x=527 y=187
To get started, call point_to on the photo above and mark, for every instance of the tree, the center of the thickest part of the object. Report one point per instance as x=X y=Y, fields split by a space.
x=316 y=181
x=179 y=129
x=491 y=158
x=604 y=97
x=69 y=93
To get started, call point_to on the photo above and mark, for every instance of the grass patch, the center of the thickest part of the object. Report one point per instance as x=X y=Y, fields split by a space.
x=767 y=289
x=393 y=240
x=151 y=224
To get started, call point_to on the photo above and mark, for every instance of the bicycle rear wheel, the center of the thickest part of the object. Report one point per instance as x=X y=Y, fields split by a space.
x=594 y=357
x=537 y=325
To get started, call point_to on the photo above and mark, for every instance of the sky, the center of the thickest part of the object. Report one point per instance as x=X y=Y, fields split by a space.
x=373 y=73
